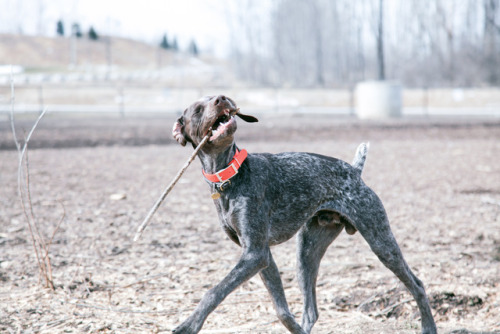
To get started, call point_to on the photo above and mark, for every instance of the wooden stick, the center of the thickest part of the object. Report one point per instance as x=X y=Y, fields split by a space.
x=169 y=188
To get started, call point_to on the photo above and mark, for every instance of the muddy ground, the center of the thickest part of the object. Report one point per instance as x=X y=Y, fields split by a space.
x=438 y=178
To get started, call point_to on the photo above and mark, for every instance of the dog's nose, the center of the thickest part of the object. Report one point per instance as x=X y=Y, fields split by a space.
x=219 y=99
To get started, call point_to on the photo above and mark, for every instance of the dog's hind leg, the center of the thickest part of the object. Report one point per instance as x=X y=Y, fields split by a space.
x=312 y=242
x=375 y=229
x=272 y=280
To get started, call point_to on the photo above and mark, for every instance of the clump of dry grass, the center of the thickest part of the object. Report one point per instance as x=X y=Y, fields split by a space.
x=41 y=244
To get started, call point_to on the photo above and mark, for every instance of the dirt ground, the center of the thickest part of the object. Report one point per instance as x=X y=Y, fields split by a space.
x=438 y=178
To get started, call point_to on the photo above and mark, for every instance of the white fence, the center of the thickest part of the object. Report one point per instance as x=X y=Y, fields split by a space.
x=120 y=98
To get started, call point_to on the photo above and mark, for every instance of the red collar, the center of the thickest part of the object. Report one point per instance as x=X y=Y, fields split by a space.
x=230 y=171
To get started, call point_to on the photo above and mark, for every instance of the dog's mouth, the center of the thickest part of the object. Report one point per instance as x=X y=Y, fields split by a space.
x=223 y=123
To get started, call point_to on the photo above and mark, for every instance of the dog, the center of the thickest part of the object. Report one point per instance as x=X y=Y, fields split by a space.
x=265 y=199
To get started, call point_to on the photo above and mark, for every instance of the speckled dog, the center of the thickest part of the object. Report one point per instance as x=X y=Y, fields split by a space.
x=265 y=199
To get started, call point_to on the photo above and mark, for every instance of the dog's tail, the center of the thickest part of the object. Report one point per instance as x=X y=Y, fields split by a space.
x=360 y=156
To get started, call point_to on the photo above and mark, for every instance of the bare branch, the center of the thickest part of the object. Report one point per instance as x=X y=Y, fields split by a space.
x=11 y=116
x=40 y=246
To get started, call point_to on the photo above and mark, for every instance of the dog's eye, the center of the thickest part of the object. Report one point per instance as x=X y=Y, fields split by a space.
x=198 y=109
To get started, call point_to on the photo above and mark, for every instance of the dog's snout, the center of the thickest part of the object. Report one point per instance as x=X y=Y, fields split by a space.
x=219 y=99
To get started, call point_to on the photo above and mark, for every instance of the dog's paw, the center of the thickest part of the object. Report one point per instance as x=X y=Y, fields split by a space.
x=182 y=330
x=187 y=327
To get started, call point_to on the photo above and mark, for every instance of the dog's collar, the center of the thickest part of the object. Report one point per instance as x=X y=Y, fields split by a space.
x=230 y=171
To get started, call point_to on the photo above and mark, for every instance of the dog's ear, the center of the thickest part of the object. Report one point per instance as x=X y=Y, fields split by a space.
x=247 y=118
x=177 y=131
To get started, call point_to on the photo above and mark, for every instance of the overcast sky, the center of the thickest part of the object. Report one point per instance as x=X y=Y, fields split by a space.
x=206 y=21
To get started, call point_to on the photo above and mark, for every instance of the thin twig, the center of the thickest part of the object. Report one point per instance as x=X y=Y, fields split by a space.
x=125 y=310
x=367 y=301
x=32 y=234
x=19 y=170
x=57 y=226
x=143 y=280
x=12 y=99
x=40 y=237
x=25 y=146
x=56 y=323
x=37 y=238
x=47 y=245
x=169 y=188
x=30 y=216
x=392 y=307
x=372 y=298
x=43 y=261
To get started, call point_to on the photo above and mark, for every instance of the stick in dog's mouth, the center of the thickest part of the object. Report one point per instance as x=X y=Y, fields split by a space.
x=220 y=123
x=155 y=207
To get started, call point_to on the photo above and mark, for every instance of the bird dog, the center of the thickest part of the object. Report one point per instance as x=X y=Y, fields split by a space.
x=265 y=199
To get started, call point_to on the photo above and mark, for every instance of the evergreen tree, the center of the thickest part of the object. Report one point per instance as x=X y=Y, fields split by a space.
x=164 y=43
x=92 y=34
x=60 y=28
x=193 y=48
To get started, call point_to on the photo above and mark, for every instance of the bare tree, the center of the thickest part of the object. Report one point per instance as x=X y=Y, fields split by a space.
x=321 y=43
x=491 y=39
x=40 y=242
x=317 y=35
x=380 y=41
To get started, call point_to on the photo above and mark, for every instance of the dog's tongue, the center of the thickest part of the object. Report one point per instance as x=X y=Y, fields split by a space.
x=247 y=118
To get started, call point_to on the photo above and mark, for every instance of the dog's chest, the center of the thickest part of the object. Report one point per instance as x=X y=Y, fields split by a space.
x=230 y=213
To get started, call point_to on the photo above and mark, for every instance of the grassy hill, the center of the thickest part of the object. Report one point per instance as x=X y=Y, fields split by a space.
x=59 y=60
x=36 y=52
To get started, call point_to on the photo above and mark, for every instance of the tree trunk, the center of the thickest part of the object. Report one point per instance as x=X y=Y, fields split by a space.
x=380 y=42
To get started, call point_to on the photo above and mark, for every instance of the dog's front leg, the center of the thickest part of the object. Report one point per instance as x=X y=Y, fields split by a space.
x=251 y=262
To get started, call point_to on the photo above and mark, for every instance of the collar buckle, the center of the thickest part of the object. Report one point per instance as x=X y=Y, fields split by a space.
x=224 y=185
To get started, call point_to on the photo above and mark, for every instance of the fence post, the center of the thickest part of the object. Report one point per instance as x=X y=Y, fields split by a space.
x=276 y=99
x=40 y=97
x=121 y=101
x=426 y=101
x=351 y=101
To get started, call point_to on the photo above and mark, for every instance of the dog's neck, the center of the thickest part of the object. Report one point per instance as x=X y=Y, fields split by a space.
x=214 y=161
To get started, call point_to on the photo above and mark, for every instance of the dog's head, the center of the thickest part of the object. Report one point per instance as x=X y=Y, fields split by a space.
x=211 y=113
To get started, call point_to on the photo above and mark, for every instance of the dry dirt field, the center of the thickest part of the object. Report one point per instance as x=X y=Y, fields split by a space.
x=438 y=178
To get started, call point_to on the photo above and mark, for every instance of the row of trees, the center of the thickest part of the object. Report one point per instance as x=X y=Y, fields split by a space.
x=92 y=34
x=167 y=45
x=313 y=43
x=76 y=31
